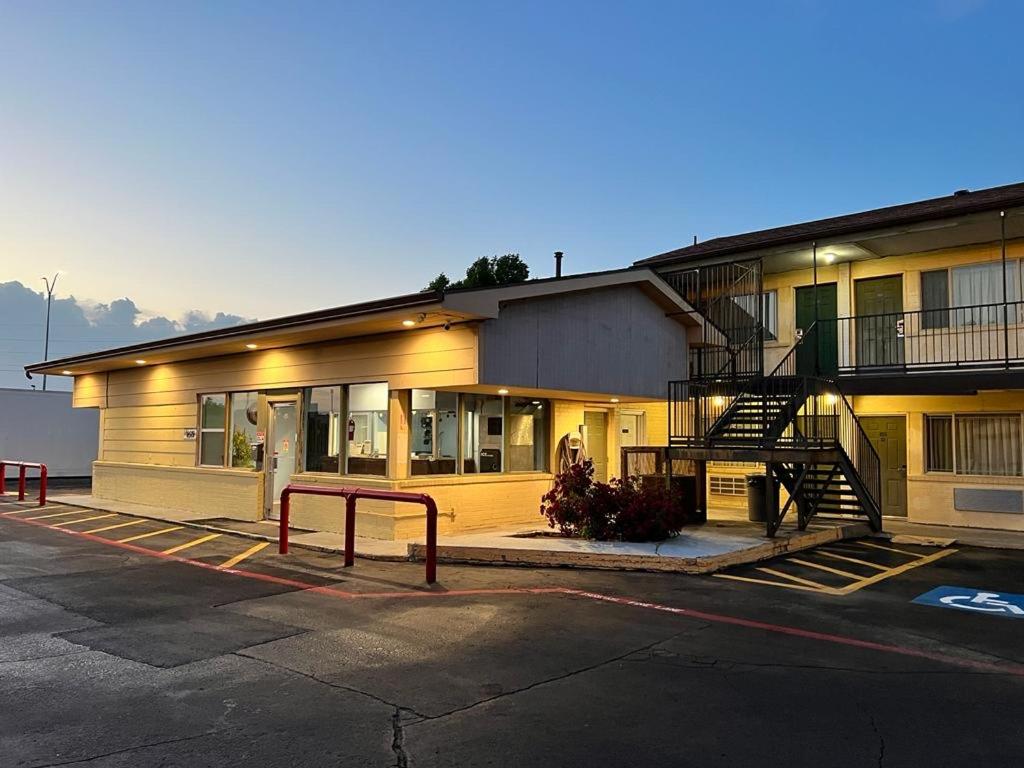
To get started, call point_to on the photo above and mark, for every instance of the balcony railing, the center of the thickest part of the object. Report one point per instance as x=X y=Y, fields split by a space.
x=978 y=337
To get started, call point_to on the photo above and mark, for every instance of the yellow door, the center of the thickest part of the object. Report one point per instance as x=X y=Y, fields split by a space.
x=596 y=423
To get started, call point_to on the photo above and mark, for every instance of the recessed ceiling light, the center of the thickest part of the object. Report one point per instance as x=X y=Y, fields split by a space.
x=252 y=346
x=830 y=257
x=66 y=373
x=536 y=402
x=615 y=400
x=140 y=362
x=502 y=391
x=408 y=323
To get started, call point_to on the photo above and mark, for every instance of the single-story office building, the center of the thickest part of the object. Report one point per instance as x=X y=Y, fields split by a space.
x=465 y=395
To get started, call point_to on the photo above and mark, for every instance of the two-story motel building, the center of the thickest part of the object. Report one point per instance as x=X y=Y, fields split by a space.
x=913 y=313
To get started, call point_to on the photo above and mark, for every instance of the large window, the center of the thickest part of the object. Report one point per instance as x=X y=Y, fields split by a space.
x=483 y=433
x=969 y=295
x=974 y=444
x=227 y=430
x=527 y=435
x=213 y=409
x=323 y=429
x=367 y=429
x=434 y=433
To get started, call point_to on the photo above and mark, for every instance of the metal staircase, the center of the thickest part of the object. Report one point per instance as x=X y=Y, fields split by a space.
x=801 y=427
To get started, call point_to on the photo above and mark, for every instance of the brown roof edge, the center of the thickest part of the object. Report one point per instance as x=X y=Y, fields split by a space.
x=288 y=321
x=958 y=204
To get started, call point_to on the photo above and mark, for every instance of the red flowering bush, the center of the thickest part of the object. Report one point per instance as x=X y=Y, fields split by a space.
x=627 y=509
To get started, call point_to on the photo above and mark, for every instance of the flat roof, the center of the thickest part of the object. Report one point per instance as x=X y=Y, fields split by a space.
x=962 y=202
x=365 y=318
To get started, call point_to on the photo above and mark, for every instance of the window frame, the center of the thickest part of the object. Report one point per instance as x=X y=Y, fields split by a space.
x=947 y=317
x=954 y=450
x=343 y=447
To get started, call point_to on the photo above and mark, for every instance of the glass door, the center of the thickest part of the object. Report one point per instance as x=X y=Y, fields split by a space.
x=281 y=461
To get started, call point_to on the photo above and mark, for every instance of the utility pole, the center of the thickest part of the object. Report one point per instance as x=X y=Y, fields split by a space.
x=50 y=286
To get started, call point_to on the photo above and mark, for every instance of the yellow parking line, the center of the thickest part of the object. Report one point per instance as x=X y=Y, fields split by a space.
x=827 y=590
x=827 y=568
x=192 y=543
x=895 y=571
x=887 y=549
x=834 y=556
x=83 y=520
x=118 y=525
x=795 y=579
x=57 y=514
x=151 y=533
x=29 y=509
x=248 y=553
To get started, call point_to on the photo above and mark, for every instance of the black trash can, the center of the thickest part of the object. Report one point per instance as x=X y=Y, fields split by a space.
x=757 y=504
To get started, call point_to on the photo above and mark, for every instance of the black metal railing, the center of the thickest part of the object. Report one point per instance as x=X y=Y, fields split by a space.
x=980 y=336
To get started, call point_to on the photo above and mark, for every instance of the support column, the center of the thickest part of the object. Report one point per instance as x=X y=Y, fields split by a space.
x=398 y=433
x=702 y=490
x=771 y=500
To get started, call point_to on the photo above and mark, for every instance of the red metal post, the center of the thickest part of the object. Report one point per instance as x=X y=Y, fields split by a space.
x=282 y=544
x=431 y=538
x=22 y=469
x=3 y=473
x=42 y=485
x=350 y=528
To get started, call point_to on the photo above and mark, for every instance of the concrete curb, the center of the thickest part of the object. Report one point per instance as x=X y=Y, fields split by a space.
x=511 y=556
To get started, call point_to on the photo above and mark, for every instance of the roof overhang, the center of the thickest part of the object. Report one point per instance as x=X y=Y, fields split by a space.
x=402 y=313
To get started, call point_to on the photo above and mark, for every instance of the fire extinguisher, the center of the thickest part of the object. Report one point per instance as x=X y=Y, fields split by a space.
x=351 y=430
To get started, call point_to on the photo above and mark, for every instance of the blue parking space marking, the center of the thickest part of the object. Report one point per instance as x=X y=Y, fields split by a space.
x=975 y=600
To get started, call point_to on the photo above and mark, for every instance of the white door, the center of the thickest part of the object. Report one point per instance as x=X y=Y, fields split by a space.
x=631 y=429
x=281 y=461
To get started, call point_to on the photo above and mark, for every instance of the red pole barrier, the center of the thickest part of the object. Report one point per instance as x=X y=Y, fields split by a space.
x=431 y=538
x=42 y=485
x=350 y=529
x=21 y=482
x=282 y=545
x=3 y=476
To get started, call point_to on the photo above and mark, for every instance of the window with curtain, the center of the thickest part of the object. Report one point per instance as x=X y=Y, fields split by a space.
x=974 y=444
x=977 y=284
x=988 y=445
x=939 y=443
x=212 y=421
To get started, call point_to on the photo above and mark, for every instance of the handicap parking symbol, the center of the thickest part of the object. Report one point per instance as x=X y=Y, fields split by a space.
x=975 y=600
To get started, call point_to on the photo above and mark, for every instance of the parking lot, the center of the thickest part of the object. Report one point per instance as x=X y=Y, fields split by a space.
x=129 y=641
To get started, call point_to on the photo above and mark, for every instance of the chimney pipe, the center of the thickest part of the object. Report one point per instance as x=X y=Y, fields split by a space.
x=558 y=263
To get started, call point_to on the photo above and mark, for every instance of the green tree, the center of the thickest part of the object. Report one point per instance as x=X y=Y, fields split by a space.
x=486 y=273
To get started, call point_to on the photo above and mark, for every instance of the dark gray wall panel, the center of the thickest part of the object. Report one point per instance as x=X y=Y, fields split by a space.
x=612 y=340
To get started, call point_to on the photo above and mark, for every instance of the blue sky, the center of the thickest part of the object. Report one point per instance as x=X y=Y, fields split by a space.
x=267 y=158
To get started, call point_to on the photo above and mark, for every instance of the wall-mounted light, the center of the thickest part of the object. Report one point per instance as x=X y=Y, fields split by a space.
x=830 y=399
x=718 y=401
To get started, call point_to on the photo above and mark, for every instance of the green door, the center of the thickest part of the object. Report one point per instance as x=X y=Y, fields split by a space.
x=826 y=329
x=879 y=303
x=888 y=435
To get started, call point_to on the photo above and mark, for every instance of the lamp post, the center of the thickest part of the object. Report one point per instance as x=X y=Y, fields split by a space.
x=50 y=286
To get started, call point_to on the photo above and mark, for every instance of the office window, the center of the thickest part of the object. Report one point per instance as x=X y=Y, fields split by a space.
x=367 y=429
x=527 y=435
x=434 y=433
x=483 y=430
x=212 y=419
x=323 y=411
x=244 y=410
x=939 y=443
x=974 y=444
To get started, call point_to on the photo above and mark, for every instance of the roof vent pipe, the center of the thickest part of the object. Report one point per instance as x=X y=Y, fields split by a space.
x=961 y=192
x=558 y=263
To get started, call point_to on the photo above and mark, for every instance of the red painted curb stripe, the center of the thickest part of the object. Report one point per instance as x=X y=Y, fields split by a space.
x=782 y=629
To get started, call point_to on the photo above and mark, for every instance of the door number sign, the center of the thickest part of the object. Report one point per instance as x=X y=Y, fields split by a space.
x=974 y=600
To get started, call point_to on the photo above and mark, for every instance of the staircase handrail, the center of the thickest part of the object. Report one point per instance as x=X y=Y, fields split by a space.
x=787 y=365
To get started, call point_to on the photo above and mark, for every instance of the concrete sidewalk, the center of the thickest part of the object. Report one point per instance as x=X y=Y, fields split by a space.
x=698 y=549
